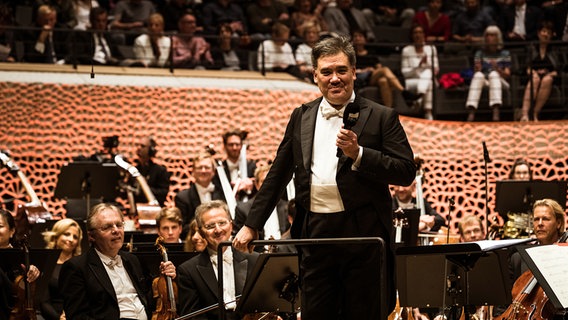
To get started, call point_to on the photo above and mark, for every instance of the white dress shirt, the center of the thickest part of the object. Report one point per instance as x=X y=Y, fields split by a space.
x=228 y=276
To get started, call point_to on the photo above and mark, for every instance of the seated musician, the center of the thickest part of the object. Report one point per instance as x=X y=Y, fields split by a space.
x=169 y=224
x=65 y=235
x=156 y=175
x=7 y=296
x=521 y=170
x=548 y=227
x=104 y=282
x=195 y=241
x=197 y=284
x=471 y=229
x=403 y=198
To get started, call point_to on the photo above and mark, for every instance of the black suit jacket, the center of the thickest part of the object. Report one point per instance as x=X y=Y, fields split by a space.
x=251 y=167
x=82 y=47
x=387 y=159
x=158 y=179
x=197 y=282
x=438 y=219
x=187 y=201
x=87 y=289
x=243 y=209
x=29 y=39
x=533 y=16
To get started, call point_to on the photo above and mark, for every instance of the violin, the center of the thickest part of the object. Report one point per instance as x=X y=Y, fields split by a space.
x=530 y=302
x=164 y=290
x=24 y=309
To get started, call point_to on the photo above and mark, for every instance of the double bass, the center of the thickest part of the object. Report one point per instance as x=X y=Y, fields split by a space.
x=24 y=309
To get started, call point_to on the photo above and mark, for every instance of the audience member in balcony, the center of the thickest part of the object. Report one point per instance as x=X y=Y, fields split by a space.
x=468 y=27
x=152 y=49
x=82 y=9
x=262 y=15
x=94 y=45
x=227 y=54
x=388 y=12
x=276 y=54
x=371 y=72
x=419 y=66
x=346 y=17
x=173 y=10
x=189 y=50
x=6 y=35
x=436 y=24
x=521 y=170
x=307 y=12
x=130 y=19
x=219 y=12
x=542 y=66
x=46 y=45
x=492 y=68
x=65 y=12
x=303 y=53
x=520 y=21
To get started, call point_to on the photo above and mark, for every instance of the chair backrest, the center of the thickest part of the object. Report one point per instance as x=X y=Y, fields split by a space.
x=396 y=35
x=392 y=61
x=453 y=63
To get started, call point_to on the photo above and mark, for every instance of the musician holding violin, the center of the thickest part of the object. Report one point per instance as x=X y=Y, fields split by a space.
x=105 y=282
x=15 y=302
x=66 y=235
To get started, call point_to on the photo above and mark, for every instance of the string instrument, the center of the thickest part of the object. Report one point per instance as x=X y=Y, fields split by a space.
x=164 y=290
x=419 y=176
x=24 y=309
x=146 y=212
x=34 y=211
x=400 y=313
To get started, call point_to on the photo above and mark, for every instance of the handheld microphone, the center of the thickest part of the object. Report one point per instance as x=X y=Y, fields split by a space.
x=486 y=153
x=350 y=117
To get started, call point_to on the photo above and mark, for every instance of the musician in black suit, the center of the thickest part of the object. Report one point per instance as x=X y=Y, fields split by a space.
x=233 y=143
x=203 y=189
x=277 y=224
x=403 y=198
x=156 y=175
x=197 y=282
x=345 y=196
x=104 y=282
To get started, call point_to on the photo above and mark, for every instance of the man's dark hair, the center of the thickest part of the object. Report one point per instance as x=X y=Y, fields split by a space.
x=239 y=133
x=332 y=46
x=95 y=12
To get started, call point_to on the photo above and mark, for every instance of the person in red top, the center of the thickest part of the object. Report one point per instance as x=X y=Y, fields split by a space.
x=437 y=26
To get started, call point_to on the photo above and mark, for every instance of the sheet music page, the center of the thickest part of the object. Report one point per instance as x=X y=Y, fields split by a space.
x=552 y=262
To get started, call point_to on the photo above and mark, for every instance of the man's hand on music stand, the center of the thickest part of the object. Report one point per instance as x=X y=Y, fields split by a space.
x=243 y=238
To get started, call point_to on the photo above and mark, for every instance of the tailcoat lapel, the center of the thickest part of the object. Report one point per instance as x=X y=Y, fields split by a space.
x=307 y=131
x=96 y=265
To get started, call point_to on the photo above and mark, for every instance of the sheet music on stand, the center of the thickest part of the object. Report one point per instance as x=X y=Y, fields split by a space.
x=548 y=265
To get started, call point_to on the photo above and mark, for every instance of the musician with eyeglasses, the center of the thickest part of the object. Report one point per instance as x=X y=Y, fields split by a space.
x=104 y=282
x=197 y=281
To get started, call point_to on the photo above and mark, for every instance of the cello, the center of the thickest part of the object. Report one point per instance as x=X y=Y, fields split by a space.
x=164 y=290
x=24 y=309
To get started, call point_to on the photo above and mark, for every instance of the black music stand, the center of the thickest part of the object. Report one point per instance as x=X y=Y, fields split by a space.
x=455 y=275
x=89 y=180
x=519 y=196
x=272 y=286
x=44 y=259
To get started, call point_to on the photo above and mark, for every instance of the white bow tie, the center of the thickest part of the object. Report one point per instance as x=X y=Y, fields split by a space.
x=117 y=261
x=329 y=112
x=209 y=188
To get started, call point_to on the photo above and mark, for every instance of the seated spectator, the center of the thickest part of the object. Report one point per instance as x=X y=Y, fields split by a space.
x=190 y=51
x=419 y=65
x=46 y=45
x=307 y=13
x=542 y=67
x=276 y=54
x=388 y=12
x=345 y=17
x=173 y=10
x=303 y=52
x=262 y=15
x=130 y=18
x=81 y=11
x=6 y=35
x=492 y=68
x=520 y=21
x=227 y=55
x=153 y=48
x=94 y=45
x=65 y=12
x=219 y=12
x=437 y=26
x=468 y=27
x=371 y=72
